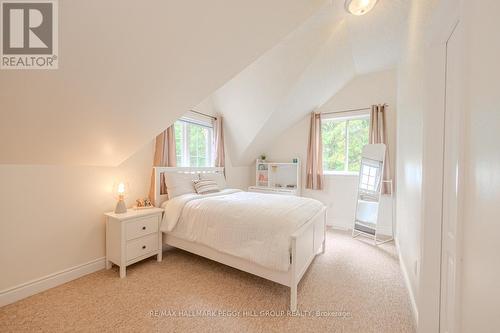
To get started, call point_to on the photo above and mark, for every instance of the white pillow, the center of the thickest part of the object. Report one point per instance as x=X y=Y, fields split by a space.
x=179 y=183
x=205 y=186
x=217 y=177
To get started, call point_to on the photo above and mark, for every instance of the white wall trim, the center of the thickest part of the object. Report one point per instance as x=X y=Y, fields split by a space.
x=381 y=229
x=337 y=226
x=36 y=286
x=407 y=283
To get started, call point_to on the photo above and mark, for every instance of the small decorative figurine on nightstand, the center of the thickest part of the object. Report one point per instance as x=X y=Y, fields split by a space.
x=143 y=204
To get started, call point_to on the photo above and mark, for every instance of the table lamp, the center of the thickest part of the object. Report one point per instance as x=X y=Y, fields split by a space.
x=120 y=205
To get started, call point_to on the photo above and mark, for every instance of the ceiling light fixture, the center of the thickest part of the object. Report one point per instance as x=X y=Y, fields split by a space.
x=359 y=7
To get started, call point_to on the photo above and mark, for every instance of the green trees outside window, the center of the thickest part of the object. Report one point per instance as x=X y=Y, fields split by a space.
x=343 y=141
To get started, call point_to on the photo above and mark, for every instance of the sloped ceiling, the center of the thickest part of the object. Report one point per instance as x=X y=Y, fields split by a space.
x=253 y=97
x=376 y=38
x=330 y=69
x=303 y=71
x=128 y=69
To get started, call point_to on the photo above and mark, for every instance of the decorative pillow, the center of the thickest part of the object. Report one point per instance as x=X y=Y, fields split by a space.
x=179 y=183
x=217 y=177
x=205 y=186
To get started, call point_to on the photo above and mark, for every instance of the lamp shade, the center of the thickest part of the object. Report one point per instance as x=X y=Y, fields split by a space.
x=120 y=189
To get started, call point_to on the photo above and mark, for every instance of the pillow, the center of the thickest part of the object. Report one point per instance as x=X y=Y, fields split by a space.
x=205 y=186
x=179 y=183
x=217 y=177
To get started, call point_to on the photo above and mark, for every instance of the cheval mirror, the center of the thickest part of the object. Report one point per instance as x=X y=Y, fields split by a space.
x=366 y=220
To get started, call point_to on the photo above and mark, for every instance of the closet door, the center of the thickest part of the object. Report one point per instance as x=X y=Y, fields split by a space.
x=452 y=184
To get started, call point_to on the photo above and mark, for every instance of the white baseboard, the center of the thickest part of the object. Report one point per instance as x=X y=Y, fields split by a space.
x=407 y=283
x=385 y=230
x=337 y=227
x=36 y=286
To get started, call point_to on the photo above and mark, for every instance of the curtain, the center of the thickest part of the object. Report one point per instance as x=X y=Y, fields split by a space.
x=164 y=156
x=314 y=166
x=378 y=134
x=219 y=142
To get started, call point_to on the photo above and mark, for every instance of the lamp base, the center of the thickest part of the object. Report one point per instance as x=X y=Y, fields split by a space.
x=120 y=207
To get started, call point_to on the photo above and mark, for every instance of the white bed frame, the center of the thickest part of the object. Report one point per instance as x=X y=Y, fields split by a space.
x=307 y=242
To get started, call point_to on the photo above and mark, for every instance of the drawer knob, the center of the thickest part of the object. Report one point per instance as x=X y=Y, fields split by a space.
x=143 y=247
x=144 y=228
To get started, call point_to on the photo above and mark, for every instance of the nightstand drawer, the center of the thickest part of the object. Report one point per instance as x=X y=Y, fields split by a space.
x=142 y=246
x=141 y=227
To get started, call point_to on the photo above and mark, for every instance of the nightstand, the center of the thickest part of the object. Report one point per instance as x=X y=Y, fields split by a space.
x=133 y=236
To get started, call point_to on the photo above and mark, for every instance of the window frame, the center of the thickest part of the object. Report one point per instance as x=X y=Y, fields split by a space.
x=185 y=154
x=347 y=118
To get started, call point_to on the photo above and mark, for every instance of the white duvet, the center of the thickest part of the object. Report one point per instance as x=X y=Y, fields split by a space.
x=253 y=226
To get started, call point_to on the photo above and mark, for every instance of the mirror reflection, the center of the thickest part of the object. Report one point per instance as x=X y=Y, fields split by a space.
x=369 y=185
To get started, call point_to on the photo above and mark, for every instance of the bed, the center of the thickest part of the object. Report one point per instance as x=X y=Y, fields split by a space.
x=271 y=236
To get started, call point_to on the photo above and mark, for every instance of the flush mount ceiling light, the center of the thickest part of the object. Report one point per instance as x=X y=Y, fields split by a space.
x=359 y=7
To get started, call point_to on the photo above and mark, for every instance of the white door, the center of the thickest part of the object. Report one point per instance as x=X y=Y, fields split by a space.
x=452 y=182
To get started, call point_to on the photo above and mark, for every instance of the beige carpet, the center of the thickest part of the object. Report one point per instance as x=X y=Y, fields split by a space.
x=356 y=288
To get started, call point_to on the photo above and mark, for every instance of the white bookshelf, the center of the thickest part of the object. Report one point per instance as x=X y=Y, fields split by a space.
x=277 y=177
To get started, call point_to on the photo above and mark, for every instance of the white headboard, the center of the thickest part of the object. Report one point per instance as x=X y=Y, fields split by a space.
x=160 y=198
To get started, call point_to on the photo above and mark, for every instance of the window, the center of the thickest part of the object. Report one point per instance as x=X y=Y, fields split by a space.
x=343 y=141
x=193 y=143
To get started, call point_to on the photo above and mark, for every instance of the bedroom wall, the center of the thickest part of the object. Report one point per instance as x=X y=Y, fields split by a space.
x=481 y=269
x=410 y=146
x=421 y=82
x=52 y=216
x=340 y=191
x=421 y=96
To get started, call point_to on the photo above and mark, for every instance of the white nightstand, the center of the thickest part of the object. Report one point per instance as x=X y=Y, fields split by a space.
x=133 y=236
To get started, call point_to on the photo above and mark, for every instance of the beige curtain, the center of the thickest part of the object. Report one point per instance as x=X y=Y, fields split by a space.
x=164 y=156
x=314 y=166
x=378 y=134
x=219 y=142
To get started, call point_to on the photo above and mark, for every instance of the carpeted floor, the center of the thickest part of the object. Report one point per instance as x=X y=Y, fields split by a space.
x=353 y=287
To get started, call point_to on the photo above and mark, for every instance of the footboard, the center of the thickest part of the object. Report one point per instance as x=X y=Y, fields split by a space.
x=306 y=243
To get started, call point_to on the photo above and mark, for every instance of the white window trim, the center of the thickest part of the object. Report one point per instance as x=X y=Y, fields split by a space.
x=345 y=117
x=185 y=145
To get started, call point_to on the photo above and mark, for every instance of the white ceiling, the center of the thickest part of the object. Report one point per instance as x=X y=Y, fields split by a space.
x=376 y=37
x=304 y=70
x=128 y=69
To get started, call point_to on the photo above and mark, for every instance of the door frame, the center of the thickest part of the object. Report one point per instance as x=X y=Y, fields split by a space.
x=457 y=125
x=441 y=25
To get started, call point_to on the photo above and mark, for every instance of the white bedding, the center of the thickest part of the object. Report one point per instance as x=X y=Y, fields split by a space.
x=249 y=225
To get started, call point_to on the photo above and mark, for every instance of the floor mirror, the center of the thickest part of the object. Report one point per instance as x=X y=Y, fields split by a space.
x=366 y=220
